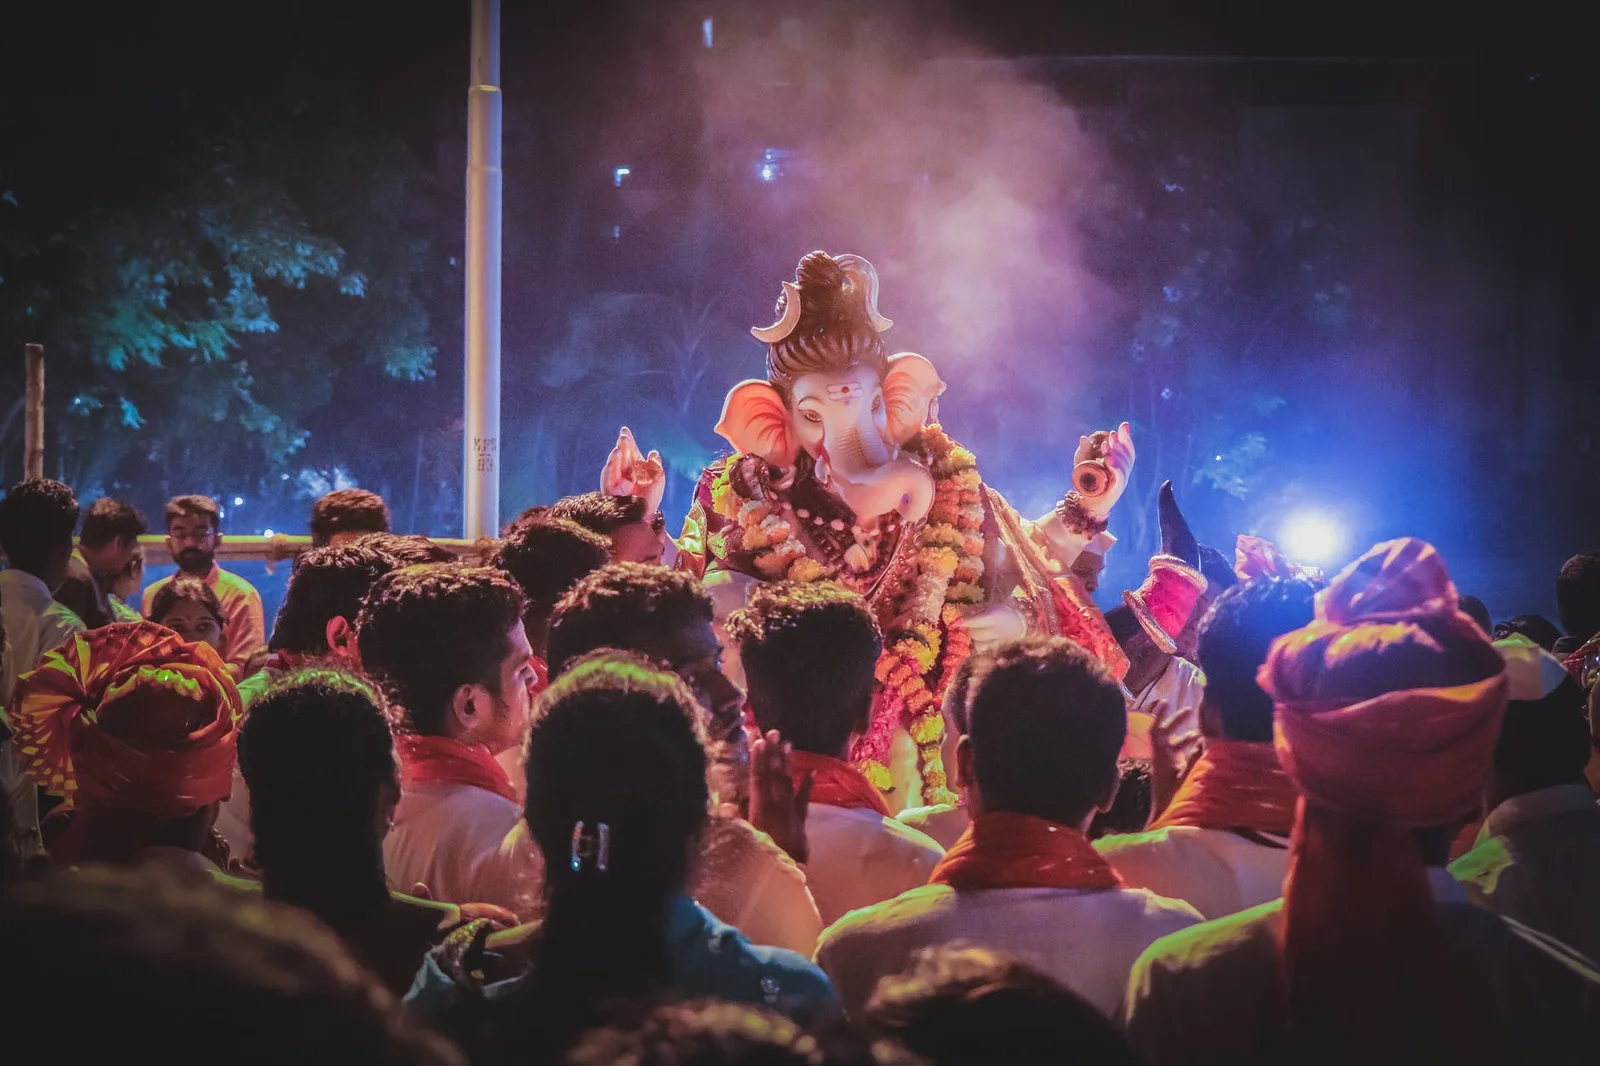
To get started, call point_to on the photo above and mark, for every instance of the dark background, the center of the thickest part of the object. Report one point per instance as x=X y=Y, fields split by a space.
x=1332 y=262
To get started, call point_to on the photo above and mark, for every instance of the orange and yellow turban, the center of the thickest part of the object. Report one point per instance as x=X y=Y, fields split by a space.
x=129 y=716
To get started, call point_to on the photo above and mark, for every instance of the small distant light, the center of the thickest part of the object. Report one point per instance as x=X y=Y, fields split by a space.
x=620 y=173
x=238 y=501
x=705 y=32
x=1219 y=458
x=266 y=533
x=768 y=172
x=616 y=233
x=1312 y=538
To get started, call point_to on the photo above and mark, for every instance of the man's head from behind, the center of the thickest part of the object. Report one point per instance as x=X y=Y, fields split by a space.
x=809 y=652
x=1046 y=722
x=110 y=535
x=37 y=518
x=343 y=515
x=407 y=549
x=227 y=970
x=319 y=761
x=446 y=644
x=546 y=557
x=1578 y=595
x=637 y=534
x=969 y=1006
x=1235 y=636
x=711 y=1033
x=193 y=532
x=325 y=595
x=663 y=615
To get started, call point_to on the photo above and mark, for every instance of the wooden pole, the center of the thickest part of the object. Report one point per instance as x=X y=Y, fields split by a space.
x=33 y=414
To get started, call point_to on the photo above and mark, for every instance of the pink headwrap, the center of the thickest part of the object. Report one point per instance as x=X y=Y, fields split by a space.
x=1388 y=710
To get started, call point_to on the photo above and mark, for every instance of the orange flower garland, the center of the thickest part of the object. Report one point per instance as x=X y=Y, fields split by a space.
x=921 y=656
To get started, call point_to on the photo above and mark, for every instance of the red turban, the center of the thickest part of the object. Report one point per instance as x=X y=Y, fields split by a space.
x=1388 y=710
x=130 y=721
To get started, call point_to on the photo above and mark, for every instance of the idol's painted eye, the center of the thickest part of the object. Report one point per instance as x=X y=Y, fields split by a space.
x=811 y=416
x=877 y=404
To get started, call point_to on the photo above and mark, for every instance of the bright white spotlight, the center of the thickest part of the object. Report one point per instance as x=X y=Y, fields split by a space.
x=266 y=532
x=1310 y=537
x=238 y=501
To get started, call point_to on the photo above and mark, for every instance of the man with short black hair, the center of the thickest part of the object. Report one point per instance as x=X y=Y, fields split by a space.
x=106 y=545
x=1222 y=843
x=743 y=877
x=37 y=518
x=809 y=653
x=1046 y=723
x=193 y=532
x=343 y=515
x=660 y=613
x=546 y=557
x=446 y=644
x=637 y=531
x=36 y=522
x=317 y=621
x=1537 y=857
x=966 y=1006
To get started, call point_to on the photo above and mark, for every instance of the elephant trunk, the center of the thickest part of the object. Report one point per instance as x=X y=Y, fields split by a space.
x=901 y=485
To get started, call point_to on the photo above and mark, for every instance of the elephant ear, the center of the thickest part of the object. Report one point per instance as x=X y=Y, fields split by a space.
x=909 y=389
x=755 y=421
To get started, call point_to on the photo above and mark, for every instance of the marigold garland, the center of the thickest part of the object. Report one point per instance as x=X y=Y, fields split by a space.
x=921 y=657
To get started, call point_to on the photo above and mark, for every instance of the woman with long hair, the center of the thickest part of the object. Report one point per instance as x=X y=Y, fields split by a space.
x=617 y=800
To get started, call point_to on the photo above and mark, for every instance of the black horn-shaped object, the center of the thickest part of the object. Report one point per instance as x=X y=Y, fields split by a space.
x=1176 y=538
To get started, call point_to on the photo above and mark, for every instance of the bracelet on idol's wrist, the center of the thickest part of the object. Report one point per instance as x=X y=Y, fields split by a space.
x=1078 y=518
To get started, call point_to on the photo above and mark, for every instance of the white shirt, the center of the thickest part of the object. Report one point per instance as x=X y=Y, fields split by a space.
x=1175 y=697
x=747 y=881
x=1216 y=871
x=1085 y=938
x=859 y=857
x=34 y=624
x=466 y=844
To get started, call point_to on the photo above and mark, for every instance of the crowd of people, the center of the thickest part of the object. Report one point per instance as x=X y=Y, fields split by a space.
x=548 y=805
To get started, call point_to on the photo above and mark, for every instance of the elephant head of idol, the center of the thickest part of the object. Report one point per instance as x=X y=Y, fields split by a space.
x=835 y=394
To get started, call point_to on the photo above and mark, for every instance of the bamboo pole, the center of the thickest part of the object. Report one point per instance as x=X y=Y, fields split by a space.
x=281 y=546
x=33 y=413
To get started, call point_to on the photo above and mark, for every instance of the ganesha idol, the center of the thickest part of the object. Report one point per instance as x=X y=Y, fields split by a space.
x=842 y=473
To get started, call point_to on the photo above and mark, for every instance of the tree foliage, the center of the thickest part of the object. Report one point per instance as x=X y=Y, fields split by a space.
x=199 y=308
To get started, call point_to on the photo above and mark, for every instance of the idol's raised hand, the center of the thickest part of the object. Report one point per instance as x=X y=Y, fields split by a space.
x=628 y=472
x=1114 y=451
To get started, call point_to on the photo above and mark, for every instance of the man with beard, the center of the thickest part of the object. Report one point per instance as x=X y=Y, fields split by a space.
x=193 y=534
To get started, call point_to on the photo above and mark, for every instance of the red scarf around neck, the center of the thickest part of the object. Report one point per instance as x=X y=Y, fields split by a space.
x=835 y=783
x=1004 y=850
x=1234 y=785
x=444 y=760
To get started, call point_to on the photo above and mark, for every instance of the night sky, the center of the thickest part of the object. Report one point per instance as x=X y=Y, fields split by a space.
x=1508 y=137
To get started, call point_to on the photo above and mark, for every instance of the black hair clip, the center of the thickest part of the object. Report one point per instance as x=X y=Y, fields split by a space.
x=596 y=846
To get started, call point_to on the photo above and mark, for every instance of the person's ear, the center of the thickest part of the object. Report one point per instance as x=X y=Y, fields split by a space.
x=470 y=705
x=966 y=780
x=216 y=536
x=339 y=633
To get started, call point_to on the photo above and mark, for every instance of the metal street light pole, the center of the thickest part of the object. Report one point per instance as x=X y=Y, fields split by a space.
x=481 y=481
